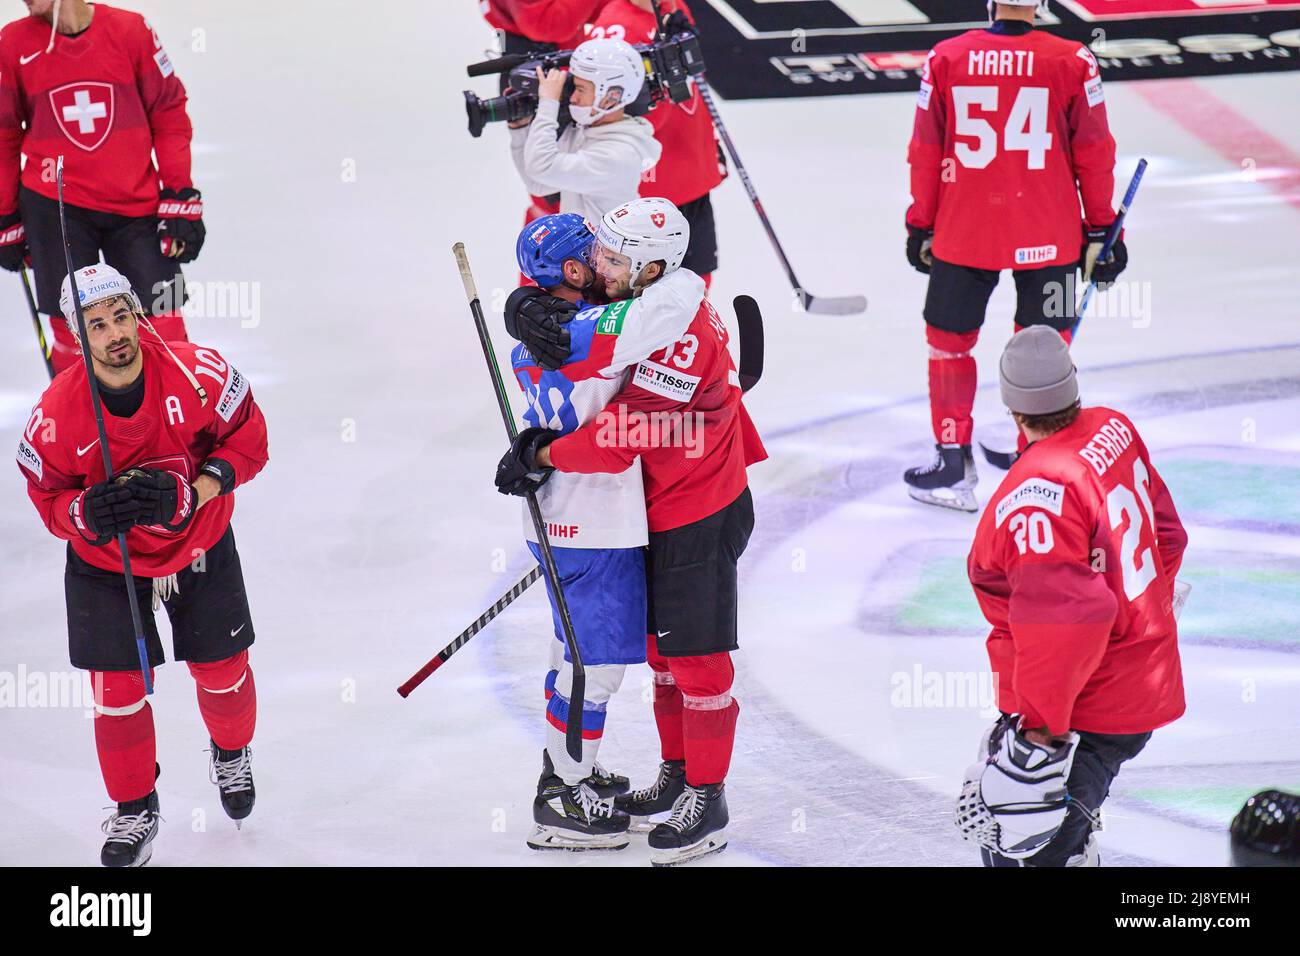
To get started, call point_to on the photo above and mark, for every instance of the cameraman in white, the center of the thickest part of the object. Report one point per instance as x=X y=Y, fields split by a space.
x=596 y=164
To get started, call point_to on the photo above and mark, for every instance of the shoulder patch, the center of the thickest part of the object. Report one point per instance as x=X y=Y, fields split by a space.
x=1031 y=493
x=665 y=381
x=164 y=63
x=30 y=459
x=923 y=96
x=1092 y=89
x=611 y=322
x=232 y=395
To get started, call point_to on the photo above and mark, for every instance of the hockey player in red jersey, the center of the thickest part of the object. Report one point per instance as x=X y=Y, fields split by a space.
x=1073 y=564
x=682 y=413
x=690 y=165
x=183 y=432
x=96 y=87
x=1010 y=135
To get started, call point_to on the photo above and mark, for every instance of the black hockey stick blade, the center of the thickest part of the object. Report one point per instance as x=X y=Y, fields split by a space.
x=834 y=305
x=749 y=319
x=999 y=459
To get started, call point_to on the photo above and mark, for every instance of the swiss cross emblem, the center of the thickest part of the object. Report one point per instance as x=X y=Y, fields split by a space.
x=658 y=219
x=84 y=111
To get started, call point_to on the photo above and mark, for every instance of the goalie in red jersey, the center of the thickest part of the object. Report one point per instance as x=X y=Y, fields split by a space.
x=1074 y=565
x=93 y=84
x=1010 y=136
x=183 y=432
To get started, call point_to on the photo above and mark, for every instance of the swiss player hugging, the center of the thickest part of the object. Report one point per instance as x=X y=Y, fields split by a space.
x=659 y=351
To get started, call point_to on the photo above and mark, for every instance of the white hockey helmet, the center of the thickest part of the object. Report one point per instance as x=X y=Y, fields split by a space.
x=613 y=66
x=646 y=230
x=95 y=284
x=1040 y=4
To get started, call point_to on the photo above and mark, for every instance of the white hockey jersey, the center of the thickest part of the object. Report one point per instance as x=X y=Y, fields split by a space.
x=601 y=510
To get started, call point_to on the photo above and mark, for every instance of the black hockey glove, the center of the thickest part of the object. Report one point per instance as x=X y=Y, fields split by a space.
x=163 y=497
x=918 y=248
x=103 y=511
x=13 y=243
x=540 y=322
x=518 y=472
x=180 y=224
x=1105 y=271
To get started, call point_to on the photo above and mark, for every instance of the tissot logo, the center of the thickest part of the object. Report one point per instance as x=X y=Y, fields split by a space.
x=74 y=908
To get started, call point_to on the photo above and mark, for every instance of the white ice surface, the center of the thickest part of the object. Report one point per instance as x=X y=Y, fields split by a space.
x=363 y=557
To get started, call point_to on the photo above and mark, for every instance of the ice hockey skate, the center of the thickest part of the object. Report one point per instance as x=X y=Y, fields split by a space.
x=131 y=830
x=573 y=817
x=659 y=797
x=948 y=482
x=601 y=781
x=232 y=772
x=697 y=827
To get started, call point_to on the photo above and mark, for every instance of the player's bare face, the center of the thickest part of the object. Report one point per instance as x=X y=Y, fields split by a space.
x=615 y=270
x=112 y=333
x=40 y=8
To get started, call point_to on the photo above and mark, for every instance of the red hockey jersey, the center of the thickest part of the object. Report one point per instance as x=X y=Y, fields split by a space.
x=561 y=22
x=1010 y=131
x=106 y=100
x=173 y=429
x=682 y=413
x=688 y=167
x=1073 y=565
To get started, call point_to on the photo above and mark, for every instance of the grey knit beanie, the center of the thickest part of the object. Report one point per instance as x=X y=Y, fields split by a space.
x=1036 y=372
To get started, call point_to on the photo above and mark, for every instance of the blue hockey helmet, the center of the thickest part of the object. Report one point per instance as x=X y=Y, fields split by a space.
x=545 y=243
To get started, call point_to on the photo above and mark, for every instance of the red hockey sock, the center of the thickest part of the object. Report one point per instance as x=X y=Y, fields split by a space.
x=709 y=715
x=667 y=705
x=170 y=327
x=124 y=737
x=227 y=700
x=952 y=384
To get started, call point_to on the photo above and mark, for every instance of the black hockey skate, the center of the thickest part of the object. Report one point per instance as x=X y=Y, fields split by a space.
x=604 y=783
x=947 y=482
x=697 y=827
x=574 y=818
x=659 y=797
x=130 y=833
x=232 y=772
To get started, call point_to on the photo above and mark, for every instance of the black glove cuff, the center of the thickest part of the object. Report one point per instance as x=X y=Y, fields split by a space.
x=916 y=232
x=515 y=299
x=83 y=529
x=221 y=470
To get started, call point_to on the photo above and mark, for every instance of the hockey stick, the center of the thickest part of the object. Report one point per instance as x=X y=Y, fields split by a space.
x=1111 y=238
x=36 y=320
x=578 y=690
x=463 y=637
x=750 y=322
x=819 y=305
x=84 y=337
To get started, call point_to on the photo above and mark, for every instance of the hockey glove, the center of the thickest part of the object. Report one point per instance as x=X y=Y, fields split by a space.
x=540 y=322
x=13 y=243
x=164 y=498
x=918 y=248
x=180 y=224
x=1108 y=270
x=1014 y=799
x=103 y=511
x=518 y=472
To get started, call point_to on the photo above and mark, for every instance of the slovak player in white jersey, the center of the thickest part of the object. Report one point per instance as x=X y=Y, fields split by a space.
x=596 y=522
